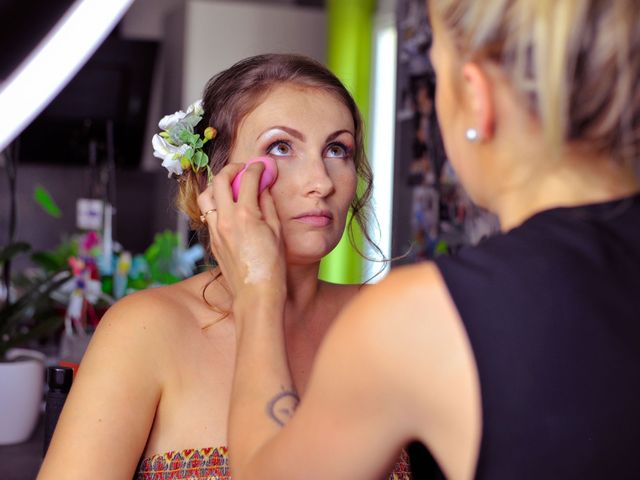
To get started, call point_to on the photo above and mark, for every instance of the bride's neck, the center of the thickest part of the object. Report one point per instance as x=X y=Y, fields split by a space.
x=302 y=291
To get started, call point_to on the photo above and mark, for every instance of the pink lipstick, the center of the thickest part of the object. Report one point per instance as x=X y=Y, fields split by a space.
x=316 y=218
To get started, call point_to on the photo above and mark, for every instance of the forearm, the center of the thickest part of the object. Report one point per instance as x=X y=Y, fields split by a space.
x=263 y=396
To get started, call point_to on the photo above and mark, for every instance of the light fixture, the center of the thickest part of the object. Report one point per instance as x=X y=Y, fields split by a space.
x=54 y=62
x=382 y=135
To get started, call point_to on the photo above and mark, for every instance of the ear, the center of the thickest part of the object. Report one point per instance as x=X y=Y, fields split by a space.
x=480 y=99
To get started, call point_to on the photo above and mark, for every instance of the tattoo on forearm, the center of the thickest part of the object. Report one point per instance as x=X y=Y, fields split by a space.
x=282 y=407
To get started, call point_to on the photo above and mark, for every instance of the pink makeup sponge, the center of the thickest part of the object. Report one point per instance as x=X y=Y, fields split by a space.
x=268 y=177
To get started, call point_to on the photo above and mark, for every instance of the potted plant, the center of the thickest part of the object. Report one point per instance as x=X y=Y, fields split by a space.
x=27 y=313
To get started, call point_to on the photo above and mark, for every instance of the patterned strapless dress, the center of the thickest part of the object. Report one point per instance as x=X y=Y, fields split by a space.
x=213 y=464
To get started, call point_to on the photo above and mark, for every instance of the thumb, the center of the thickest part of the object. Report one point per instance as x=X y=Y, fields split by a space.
x=268 y=208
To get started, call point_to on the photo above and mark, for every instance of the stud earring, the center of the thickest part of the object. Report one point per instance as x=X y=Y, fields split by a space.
x=471 y=134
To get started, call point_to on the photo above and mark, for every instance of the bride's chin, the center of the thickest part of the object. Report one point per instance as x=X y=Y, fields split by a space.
x=300 y=260
x=308 y=250
x=307 y=256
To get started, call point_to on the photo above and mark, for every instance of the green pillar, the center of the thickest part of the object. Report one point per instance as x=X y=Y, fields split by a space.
x=349 y=37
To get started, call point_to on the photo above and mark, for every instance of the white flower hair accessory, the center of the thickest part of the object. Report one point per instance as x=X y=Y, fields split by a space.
x=178 y=146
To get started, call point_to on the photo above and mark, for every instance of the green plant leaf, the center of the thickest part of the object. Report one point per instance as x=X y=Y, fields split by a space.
x=56 y=259
x=46 y=201
x=45 y=326
x=13 y=249
x=185 y=136
x=191 y=121
x=197 y=159
x=48 y=261
x=159 y=256
x=29 y=301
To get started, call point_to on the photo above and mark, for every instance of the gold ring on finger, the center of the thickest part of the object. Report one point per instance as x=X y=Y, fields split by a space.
x=203 y=217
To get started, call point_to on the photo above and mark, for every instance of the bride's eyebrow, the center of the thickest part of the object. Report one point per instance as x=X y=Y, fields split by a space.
x=336 y=134
x=300 y=136
x=291 y=131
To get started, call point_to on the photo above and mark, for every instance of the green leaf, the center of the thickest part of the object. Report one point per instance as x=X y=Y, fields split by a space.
x=46 y=201
x=203 y=160
x=47 y=260
x=442 y=248
x=160 y=254
x=13 y=249
x=191 y=121
x=185 y=136
x=197 y=159
x=56 y=259
x=189 y=153
x=45 y=325
x=30 y=302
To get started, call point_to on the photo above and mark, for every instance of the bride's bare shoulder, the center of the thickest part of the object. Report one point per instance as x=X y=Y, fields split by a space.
x=180 y=306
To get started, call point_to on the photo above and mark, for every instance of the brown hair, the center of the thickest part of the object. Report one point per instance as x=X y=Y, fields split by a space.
x=577 y=62
x=233 y=93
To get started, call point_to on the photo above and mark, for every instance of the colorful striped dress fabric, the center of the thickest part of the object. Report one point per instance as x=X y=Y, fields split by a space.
x=213 y=464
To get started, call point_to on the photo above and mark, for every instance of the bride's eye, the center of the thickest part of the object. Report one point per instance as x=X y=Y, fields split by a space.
x=338 y=150
x=280 y=149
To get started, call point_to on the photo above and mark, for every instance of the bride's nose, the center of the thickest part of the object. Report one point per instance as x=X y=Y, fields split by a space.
x=316 y=179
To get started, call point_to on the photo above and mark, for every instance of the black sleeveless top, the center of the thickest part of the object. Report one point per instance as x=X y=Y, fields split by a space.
x=552 y=311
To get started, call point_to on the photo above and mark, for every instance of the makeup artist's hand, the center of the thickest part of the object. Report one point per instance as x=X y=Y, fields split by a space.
x=245 y=237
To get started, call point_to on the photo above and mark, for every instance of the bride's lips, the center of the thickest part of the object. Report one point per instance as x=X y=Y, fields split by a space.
x=317 y=218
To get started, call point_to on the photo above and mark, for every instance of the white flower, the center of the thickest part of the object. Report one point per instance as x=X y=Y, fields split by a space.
x=170 y=154
x=194 y=110
x=196 y=107
x=169 y=121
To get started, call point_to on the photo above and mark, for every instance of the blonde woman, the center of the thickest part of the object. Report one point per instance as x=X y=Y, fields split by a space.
x=517 y=359
x=152 y=394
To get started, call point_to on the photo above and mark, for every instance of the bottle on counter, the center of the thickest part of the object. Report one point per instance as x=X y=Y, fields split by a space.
x=59 y=380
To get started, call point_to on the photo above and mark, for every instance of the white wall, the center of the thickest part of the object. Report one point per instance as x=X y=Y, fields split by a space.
x=218 y=34
x=145 y=19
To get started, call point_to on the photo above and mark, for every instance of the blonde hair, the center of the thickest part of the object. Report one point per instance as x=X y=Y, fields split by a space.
x=576 y=62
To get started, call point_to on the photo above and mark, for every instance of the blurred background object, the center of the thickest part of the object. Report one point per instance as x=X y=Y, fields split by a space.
x=56 y=58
